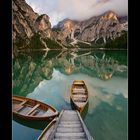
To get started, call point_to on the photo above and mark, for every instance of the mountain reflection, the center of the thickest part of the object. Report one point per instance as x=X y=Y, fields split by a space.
x=32 y=67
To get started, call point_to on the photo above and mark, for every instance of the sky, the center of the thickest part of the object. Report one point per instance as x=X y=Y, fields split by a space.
x=58 y=10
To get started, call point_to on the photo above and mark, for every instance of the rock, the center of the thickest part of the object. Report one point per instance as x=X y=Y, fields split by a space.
x=23 y=20
x=43 y=26
x=64 y=31
x=27 y=24
x=104 y=27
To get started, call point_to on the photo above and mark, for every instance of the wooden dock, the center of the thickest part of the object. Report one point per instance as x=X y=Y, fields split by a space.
x=69 y=126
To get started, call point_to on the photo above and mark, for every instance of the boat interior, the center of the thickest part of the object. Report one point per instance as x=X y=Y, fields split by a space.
x=79 y=94
x=27 y=109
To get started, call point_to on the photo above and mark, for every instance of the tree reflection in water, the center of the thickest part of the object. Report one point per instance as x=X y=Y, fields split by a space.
x=31 y=68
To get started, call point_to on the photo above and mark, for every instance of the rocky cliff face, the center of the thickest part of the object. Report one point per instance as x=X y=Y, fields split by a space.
x=27 y=23
x=43 y=26
x=104 y=27
x=23 y=19
x=65 y=30
x=101 y=28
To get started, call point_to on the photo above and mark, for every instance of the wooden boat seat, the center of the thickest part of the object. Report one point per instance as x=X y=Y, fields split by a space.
x=49 y=112
x=22 y=103
x=78 y=83
x=34 y=113
x=79 y=98
x=75 y=90
x=18 y=107
x=35 y=107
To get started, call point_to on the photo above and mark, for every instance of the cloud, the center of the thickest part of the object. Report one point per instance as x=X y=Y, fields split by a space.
x=77 y=9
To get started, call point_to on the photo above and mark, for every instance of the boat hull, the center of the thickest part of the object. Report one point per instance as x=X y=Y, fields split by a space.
x=80 y=109
x=33 y=118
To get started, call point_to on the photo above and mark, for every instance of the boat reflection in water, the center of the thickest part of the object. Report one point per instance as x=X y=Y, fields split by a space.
x=40 y=125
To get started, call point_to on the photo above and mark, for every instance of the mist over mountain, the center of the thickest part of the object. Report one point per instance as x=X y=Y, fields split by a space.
x=95 y=30
x=77 y=9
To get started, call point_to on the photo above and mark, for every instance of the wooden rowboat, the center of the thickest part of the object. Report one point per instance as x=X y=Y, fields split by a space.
x=79 y=94
x=32 y=109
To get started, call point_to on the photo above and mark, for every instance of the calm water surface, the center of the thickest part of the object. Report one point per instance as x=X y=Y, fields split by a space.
x=48 y=77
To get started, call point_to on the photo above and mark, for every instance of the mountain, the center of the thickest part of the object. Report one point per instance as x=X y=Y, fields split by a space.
x=96 y=30
x=31 y=30
x=27 y=23
x=34 y=31
x=23 y=20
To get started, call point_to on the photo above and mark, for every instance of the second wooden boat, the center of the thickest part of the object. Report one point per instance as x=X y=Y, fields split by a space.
x=79 y=94
x=32 y=109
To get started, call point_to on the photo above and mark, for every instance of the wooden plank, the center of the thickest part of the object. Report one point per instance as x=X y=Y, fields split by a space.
x=70 y=122
x=69 y=130
x=70 y=112
x=76 y=90
x=70 y=119
x=23 y=102
x=34 y=113
x=18 y=108
x=88 y=136
x=35 y=107
x=51 y=136
x=48 y=130
x=70 y=135
x=69 y=139
x=18 y=99
x=78 y=83
x=70 y=116
x=69 y=125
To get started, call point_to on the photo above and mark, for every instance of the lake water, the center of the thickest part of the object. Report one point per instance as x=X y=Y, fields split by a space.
x=47 y=77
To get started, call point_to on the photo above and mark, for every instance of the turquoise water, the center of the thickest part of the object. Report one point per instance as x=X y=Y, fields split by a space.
x=48 y=77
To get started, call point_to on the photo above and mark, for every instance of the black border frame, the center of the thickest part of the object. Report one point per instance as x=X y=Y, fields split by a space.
x=5 y=69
